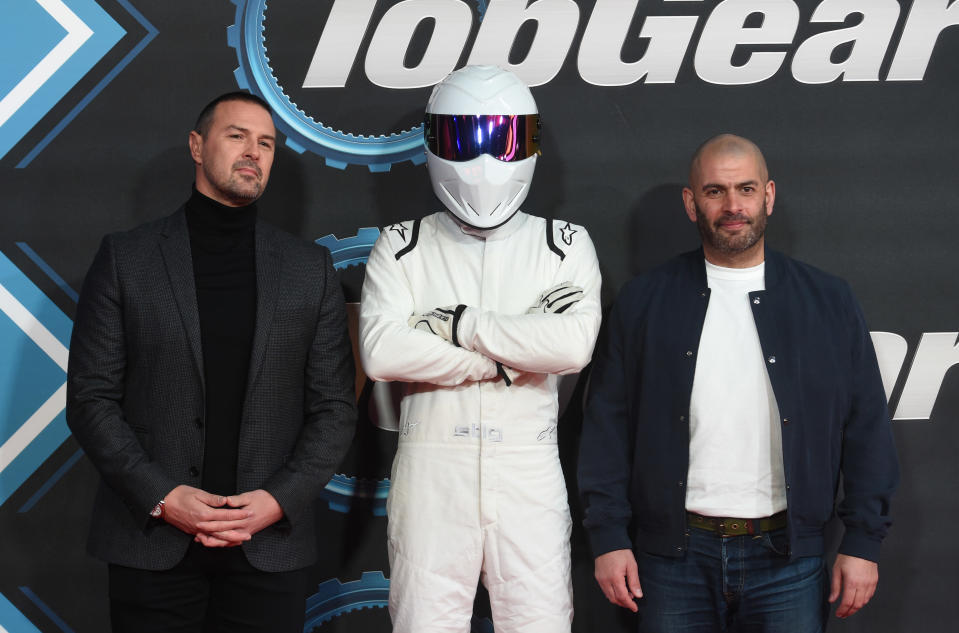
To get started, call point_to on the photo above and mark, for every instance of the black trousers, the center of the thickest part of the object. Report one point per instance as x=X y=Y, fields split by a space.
x=211 y=591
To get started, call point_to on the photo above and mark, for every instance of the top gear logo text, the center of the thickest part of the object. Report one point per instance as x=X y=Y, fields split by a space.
x=732 y=42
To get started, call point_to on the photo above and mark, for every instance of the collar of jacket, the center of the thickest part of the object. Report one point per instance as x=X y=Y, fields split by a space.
x=501 y=232
x=175 y=247
x=774 y=271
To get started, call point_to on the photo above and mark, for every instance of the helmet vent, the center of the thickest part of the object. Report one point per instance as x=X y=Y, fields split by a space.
x=519 y=190
x=448 y=192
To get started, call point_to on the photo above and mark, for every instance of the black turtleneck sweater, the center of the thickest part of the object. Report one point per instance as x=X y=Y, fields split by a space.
x=221 y=241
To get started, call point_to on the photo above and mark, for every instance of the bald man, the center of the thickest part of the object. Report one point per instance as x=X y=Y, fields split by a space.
x=734 y=387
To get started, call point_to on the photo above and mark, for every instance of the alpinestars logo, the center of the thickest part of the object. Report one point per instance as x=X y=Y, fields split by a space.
x=400 y=230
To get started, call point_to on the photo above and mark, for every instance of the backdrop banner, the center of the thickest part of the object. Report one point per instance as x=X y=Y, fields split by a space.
x=854 y=103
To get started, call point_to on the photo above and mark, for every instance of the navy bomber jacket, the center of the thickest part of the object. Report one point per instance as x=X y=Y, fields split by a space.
x=634 y=451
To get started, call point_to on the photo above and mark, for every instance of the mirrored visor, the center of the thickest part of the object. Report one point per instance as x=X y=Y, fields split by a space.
x=462 y=137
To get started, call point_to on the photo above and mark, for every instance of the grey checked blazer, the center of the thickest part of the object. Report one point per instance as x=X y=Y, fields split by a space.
x=135 y=390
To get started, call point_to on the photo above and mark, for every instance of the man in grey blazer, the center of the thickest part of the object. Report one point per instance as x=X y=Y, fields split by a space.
x=211 y=384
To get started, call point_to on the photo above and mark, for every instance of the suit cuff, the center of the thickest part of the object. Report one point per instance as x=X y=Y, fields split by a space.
x=465 y=328
x=860 y=545
x=609 y=538
x=285 y=494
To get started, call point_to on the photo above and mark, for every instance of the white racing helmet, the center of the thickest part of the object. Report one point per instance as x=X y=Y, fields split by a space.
x=482 y=138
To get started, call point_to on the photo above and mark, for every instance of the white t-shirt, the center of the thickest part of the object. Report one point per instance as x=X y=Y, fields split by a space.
x=735 y=444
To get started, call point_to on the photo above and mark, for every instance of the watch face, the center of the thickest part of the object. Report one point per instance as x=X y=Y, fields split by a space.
x=157 y=510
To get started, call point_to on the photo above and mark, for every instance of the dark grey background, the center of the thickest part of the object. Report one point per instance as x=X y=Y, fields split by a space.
x=866 y=180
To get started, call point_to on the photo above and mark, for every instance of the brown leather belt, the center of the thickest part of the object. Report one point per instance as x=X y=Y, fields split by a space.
x=727 y=526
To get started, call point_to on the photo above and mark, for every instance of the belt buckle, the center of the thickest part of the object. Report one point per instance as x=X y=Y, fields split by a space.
x=734 y=525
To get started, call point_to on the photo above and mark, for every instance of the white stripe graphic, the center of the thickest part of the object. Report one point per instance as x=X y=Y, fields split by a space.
x=53 y=348
x=33 y=427
x=37 y=332
x=77 y=34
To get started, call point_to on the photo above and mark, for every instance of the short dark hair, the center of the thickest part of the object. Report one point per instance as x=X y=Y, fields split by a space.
x=202 y=125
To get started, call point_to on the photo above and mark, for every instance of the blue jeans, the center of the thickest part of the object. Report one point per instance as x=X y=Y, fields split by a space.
x=745 y=584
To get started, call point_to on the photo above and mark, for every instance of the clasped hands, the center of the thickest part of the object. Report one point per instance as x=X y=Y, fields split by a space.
x=444 y=322
x=218 y=521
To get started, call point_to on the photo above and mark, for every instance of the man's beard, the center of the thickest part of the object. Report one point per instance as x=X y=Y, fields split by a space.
x=732 y=244
x=238 y=188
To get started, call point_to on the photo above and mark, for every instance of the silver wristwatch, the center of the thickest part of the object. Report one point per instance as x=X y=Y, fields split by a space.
x=157 y=510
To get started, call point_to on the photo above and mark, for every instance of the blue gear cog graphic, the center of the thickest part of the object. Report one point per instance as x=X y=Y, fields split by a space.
x=342 y=489
x=350 y=251
x=302 y=131
x=334 y=598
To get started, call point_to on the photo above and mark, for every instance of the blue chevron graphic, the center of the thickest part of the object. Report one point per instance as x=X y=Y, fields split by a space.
x=12 y=620
x=47 y=611
x=34 y=339
x=151 y=32
x=49 y=45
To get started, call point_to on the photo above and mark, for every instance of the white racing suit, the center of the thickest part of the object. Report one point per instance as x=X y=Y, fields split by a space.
x=477 y=489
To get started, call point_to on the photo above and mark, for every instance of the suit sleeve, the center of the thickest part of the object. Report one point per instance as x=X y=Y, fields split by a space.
x=544 y=343
x=605 y=462
x=870 y=467
x=95 y=391
x=329 y=405
x=390 y=349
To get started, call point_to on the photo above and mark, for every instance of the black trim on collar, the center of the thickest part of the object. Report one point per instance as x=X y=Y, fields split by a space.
x=549 y=239
x=457 y=315
x=414 y=236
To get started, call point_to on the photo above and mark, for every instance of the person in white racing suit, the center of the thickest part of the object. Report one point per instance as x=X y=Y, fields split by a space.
x=478 y=310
